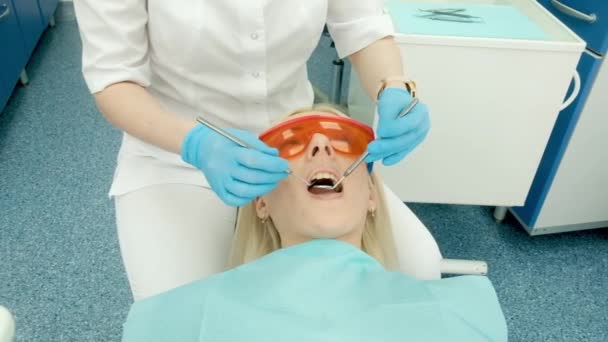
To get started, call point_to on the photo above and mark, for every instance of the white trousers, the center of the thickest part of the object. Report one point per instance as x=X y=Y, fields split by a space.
x=172 y=234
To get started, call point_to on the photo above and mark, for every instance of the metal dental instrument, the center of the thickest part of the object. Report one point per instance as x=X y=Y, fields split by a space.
x=449 y=14
x=239 y=142
x=448 y=11
x=357 y=162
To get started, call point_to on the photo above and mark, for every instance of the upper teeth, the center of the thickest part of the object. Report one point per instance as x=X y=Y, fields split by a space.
x=322 y=175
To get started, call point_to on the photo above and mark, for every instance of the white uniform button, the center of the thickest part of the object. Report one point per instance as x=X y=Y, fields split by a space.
x=254 y=36
x=255 y=74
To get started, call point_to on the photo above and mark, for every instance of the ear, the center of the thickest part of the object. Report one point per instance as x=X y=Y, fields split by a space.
x=261 y=207
x=373 y=196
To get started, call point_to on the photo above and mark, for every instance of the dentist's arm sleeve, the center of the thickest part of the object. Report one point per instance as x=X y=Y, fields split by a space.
x=355 y=24
x=114 y=42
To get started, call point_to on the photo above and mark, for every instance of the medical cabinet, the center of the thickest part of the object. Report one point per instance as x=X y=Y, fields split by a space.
x=22 y=23
x=570 y=189
x=494 y=87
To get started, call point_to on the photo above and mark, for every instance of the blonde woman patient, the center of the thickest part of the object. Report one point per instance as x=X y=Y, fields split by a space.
x=295 y=212
x=311 y=263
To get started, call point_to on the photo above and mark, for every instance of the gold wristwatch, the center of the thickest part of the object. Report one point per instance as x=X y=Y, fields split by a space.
x=409 y=85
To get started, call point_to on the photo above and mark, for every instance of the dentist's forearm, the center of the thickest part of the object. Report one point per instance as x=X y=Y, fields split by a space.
x=379 y=60
x=131 y=108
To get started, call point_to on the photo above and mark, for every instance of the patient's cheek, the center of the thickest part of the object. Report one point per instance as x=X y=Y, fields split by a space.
x=360 y=177
x=286 y=190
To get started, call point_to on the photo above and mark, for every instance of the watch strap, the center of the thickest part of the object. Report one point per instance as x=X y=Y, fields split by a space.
x=409 y=85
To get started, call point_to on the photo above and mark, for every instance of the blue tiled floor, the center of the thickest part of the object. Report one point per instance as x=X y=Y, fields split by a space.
x=60 y=268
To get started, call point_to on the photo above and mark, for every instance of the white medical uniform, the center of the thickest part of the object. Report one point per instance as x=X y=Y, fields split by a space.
x=241 y=64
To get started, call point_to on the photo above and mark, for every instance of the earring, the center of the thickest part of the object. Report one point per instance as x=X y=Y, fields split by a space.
x=373 y=213
x=264 y=219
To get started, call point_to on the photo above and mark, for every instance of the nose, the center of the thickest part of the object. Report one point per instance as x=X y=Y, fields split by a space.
x=319 y=145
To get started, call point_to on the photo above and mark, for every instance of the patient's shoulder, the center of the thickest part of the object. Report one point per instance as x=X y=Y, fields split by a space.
x=173 y=315
x=463 y=289
x=474 y=300
x=462 y=283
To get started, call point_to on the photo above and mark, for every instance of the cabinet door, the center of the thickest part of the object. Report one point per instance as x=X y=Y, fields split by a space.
x=12 y=53
x=28 y=14
x=579 y=193
x=558 y=141
x=47 y=8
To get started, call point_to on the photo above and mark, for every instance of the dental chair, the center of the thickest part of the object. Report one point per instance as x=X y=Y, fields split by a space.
x=7 y=325
x=417 y=250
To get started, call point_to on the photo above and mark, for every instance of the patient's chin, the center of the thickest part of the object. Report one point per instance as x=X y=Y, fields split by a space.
x=328 y=219
x=331 y=230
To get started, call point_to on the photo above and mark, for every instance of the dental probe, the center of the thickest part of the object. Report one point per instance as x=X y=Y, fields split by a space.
x=238 y=142
x=357 y=162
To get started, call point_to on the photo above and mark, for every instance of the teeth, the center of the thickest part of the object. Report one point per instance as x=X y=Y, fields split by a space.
x=323 y=175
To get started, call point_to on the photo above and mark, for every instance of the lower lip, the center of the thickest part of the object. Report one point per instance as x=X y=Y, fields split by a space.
x=327 y=196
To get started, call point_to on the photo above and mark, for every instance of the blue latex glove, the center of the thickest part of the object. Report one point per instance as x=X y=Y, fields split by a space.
x=397 y=137
x=236 y=174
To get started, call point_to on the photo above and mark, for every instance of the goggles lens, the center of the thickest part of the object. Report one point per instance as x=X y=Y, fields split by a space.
x=346 y=136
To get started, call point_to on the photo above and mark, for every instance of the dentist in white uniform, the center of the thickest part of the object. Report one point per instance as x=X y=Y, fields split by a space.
x=153 y=66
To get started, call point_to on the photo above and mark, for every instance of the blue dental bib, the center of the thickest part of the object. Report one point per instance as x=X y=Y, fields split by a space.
x=322 y=290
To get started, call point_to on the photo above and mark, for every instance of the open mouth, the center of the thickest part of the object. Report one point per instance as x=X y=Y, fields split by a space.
x=323 y=183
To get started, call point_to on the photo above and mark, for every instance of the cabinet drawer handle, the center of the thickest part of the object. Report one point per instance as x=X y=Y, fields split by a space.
x=589 y=18
x=577 y=88
x=6 y=10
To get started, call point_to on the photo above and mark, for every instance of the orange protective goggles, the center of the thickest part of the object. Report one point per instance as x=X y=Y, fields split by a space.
x=346 y=135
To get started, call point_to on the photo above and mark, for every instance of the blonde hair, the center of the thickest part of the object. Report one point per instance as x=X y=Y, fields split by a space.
x=254 y=238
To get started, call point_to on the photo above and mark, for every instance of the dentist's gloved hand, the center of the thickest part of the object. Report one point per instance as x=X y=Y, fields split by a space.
x=236 y=174
x=396 y=137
